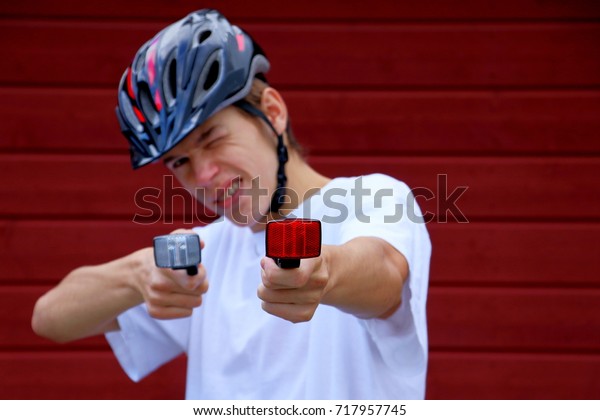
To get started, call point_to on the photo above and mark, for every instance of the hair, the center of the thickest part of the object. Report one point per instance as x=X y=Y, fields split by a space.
x=254 y=98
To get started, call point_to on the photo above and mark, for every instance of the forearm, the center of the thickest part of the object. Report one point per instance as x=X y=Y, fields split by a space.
x=88 y=300
x=366 y=277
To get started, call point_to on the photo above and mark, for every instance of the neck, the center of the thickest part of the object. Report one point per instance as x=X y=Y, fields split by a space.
x=303 y=182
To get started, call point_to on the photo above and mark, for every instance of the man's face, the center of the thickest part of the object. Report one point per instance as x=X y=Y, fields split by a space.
x=229 y=164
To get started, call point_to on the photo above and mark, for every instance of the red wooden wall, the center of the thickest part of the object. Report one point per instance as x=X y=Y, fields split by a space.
x=500 y=96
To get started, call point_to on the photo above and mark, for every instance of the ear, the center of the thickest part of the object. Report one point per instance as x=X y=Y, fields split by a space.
x=274 y=107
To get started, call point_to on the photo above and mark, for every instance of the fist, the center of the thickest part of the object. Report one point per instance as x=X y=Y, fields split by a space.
x=293 y=294
x=170 y=294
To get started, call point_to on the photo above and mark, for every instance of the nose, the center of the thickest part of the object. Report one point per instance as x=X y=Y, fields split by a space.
x=205 y=170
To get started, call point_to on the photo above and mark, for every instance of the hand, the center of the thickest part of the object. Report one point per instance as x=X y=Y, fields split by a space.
x=293 y=294
x=168 y=293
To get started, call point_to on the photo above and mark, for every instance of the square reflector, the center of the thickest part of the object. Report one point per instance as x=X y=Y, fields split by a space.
x=293 y=238
x=178 y=251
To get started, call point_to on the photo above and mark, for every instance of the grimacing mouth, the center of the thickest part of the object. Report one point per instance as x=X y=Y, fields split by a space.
x=223 y=194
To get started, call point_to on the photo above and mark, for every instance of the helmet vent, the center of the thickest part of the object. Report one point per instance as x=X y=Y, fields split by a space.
x=203 y=36
x=213 y=74
x=138 y=63
x=147 y=104
x=207 y=80
x=170 y=83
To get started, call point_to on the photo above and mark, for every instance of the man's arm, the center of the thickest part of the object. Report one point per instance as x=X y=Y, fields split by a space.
x=363 y=277
x=89 y=299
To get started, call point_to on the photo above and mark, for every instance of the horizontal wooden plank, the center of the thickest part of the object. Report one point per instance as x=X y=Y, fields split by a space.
x=497 y=123
x=38 y=251
x=472 y=319
x=310 y=9
x=501 y=188
x=59 y=119
x=92 y=375
x=483 y=254
x=474 y=376
x=16 y=309
x=520 y=320
x=79 y=185
x=522 y=254
x=328 y=122
x=345 y=56
x=498 y=188
x=83 y=375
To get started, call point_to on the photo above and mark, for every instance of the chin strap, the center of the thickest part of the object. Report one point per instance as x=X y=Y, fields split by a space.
x=282 y=154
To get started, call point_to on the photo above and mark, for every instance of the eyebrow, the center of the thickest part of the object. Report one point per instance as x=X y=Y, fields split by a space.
x=203 y=136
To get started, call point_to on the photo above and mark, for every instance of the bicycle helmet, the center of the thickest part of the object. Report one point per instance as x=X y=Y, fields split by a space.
x=189 y=71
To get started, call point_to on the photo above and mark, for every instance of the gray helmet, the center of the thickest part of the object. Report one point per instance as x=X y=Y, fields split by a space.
x=186 y=73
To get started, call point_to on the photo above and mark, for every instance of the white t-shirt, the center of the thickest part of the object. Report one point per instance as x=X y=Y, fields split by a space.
x=237 y=351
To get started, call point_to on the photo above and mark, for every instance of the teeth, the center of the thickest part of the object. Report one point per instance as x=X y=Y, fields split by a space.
x=234 y=187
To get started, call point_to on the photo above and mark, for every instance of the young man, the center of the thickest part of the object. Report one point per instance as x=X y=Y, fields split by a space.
x=195 y=97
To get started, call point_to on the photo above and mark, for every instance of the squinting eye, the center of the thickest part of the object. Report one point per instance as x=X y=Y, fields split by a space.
x=177 y=163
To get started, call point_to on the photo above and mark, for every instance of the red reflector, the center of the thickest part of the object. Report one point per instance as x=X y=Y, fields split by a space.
x=293 y=238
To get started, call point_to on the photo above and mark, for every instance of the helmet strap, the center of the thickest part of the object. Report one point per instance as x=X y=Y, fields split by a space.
x=282 y=154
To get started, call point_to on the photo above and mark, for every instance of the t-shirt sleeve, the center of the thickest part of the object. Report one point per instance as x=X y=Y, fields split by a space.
x=387 y=210
x=143 y=343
